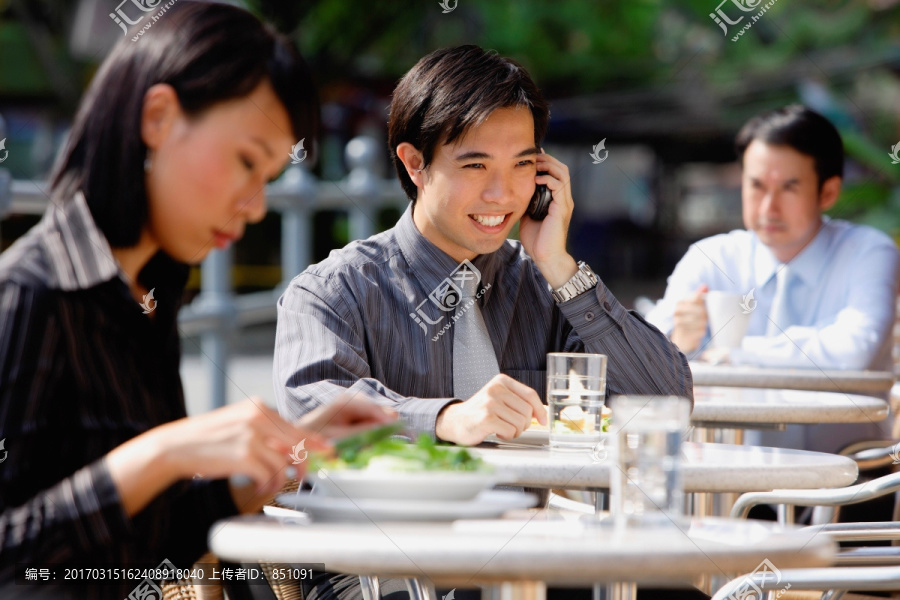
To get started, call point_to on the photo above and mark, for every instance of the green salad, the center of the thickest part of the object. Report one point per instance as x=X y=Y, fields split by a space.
x=374 y=450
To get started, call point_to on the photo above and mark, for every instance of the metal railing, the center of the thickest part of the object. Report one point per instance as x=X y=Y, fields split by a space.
x=217 y=312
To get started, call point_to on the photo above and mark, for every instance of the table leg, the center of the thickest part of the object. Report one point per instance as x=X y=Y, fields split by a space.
x=615 y=591
x=419 y=590
x=516 y=590
x=785 y=514
x=371 y=588
x=703 y=505
x=621 y=591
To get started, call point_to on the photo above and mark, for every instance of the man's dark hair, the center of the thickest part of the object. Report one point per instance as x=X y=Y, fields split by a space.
x=802 y=129
x=209 y=53
x=452 y=90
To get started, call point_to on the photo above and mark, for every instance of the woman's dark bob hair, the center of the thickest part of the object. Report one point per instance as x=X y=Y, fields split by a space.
x=208 y=53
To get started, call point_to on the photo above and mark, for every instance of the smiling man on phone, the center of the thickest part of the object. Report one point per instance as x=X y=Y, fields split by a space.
x=442 y=317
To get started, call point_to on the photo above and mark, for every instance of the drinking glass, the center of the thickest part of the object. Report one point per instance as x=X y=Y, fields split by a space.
x=645 y=483
x=576 y=393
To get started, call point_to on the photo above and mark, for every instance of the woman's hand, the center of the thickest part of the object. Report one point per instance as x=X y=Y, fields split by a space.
x=345 y=416
x=247 y=438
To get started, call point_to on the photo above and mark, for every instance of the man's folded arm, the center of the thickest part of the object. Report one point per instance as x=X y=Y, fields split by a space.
x=641 y=360
x=320 y=357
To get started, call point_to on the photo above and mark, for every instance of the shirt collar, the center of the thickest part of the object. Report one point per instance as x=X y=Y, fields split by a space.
x=807 y=265
x=78 y=254
x=765 y=265
x=429 y=264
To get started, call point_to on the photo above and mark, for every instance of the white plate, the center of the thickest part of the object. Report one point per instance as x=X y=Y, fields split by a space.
x=380 y=485
x=488 y=504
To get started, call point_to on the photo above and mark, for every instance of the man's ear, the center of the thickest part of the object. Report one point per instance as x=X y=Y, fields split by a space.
x=830 y=192
x=413 y=160
x=161 y=108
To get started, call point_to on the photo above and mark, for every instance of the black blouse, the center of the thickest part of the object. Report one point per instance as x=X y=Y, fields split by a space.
x=82 y=370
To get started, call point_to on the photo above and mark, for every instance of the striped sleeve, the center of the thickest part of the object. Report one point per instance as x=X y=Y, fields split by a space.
x=641 y=360
x=80 y=512
x=77 y=515
x=320 y=355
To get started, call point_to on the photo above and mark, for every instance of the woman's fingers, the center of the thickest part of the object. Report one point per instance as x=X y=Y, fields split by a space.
x=331 y=419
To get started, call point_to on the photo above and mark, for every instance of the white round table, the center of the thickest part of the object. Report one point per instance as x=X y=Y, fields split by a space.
x=707 y=468
x=866 y=382
x=522 y=555
x=724 y=407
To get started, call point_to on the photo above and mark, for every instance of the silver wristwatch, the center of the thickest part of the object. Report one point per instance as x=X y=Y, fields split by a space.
x=581 y=282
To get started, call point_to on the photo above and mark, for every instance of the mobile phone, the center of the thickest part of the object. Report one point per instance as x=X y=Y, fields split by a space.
x=540 y=201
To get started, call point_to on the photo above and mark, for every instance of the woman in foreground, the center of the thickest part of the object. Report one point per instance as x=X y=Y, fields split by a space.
x=168 y=157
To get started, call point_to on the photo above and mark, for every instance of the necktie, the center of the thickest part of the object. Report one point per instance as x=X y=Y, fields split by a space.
x=474 y=361
x=781 y=316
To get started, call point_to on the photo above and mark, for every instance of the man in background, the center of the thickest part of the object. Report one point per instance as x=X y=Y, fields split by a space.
x=825 y=289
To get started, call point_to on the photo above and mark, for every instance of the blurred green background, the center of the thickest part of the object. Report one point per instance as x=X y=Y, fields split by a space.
x=658 y=80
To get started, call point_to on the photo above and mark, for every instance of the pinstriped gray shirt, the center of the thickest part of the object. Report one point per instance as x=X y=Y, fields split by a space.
x=82 y=370
x=362 y=320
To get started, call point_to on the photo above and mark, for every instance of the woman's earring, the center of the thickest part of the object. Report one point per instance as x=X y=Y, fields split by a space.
x=148 y=161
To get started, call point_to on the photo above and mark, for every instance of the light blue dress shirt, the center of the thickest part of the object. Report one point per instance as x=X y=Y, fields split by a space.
x=842 y=301
x=843 y=297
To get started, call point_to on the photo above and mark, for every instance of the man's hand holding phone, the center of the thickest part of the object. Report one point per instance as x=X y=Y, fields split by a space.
x=545 y=240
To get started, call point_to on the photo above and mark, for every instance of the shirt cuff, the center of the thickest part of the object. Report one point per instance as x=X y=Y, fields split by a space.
x=593 y=313
x=421 y=414
x=99 y=518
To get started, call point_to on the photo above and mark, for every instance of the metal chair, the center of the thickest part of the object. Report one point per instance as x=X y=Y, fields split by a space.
x=834 y=582
x=866 y=568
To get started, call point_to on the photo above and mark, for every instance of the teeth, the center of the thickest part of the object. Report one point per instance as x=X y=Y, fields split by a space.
x=489 y=221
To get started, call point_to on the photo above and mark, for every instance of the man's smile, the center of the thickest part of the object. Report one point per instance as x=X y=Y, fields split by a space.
x=491 y=222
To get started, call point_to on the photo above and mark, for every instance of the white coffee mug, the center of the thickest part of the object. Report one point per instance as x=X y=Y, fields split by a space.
x=728 y=319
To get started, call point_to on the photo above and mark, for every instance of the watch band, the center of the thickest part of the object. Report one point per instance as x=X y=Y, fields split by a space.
x=581 y=281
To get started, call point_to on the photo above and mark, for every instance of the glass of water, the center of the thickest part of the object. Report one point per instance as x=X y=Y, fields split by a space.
x=576 y=393
x=645 y=482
